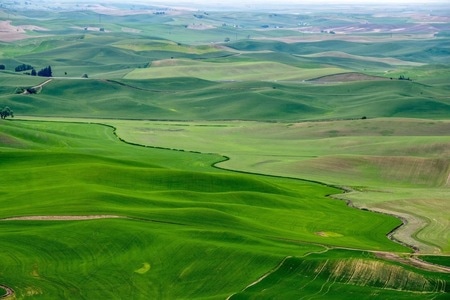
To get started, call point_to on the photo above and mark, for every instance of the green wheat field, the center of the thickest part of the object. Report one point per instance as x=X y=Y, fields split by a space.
x=297 y=152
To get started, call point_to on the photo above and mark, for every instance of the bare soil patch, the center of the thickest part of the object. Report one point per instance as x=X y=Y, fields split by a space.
x=61 y=218
x=200 y=27
x=10 y=141
x=10 y=33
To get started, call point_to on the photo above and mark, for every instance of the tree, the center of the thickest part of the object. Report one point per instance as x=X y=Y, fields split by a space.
x=2 y=67
x=6 y=112
x=33 y=72
x=45 y=72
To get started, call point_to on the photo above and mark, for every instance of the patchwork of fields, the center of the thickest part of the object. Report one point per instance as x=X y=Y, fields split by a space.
x=177 y=154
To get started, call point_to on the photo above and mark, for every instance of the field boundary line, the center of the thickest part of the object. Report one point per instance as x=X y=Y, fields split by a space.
x=264 y=276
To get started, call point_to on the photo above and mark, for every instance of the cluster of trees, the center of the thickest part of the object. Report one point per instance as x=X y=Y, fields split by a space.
x=402 y=77
x=29 y=90
x=6 y=112
x=23 y=67
x=45 y=72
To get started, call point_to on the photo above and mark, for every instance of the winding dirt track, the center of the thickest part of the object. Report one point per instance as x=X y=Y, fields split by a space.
x=414 y=261
x=9 y=291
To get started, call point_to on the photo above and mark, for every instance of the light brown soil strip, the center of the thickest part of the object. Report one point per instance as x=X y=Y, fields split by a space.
x=62 y=218
x=83 y=218
x=9 y=291
x=413 y=261
x=39 y=86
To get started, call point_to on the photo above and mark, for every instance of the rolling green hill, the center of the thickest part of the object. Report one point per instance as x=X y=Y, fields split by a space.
x=193 y=99
x=393 y=165
x=430 y=51
x=197 y=154
x=165 y=217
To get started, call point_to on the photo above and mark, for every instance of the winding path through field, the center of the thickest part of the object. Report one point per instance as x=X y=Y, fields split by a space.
x=9 y=291
x=43 y=83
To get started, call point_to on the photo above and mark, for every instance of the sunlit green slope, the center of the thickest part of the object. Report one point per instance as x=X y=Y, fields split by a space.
x=180 y=227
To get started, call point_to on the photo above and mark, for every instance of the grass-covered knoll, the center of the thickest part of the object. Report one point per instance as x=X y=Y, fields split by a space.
x=388 y=61
x=397 y=165
x=165 y=45
x=338 y=274
x=211 y=231
x=141 y=51
x=195 y=99
x=252 y=71
x=173 y=178
x=419 y=51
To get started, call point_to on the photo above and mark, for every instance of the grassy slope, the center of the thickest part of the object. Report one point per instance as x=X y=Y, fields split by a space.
x=395 y=164
x=413 y=50
x=106 y=59
x=229 y=72
x=331 y=275
x=198 y=99
x=184 y=218
x=116 y=55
